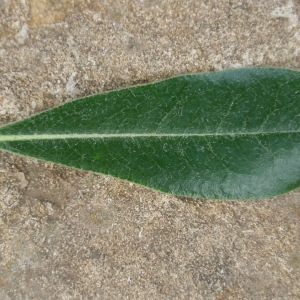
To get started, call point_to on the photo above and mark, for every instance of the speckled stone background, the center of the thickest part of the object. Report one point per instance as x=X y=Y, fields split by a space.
x=69 y=234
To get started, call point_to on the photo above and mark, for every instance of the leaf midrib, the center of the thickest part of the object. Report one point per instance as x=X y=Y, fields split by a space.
x=7 y=138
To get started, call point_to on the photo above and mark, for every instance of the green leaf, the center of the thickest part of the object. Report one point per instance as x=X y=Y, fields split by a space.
x=227 y=135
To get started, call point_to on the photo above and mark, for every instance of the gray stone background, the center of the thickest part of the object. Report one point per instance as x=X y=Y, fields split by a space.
x=69 y=234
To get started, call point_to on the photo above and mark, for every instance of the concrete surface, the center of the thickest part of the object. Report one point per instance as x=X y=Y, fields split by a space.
x=66 y=234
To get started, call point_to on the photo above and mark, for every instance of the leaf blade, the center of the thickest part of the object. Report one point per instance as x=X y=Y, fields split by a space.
x=215 y=135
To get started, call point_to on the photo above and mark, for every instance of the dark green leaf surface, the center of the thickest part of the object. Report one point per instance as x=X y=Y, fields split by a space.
x=227 y=135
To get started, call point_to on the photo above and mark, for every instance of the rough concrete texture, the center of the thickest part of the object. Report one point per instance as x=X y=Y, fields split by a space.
x=69 y=234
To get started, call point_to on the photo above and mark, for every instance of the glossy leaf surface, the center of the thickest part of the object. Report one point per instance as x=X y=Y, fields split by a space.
x=227 y=135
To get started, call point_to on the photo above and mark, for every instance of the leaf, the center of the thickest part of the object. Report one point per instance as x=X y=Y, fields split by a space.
x=227 y=135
